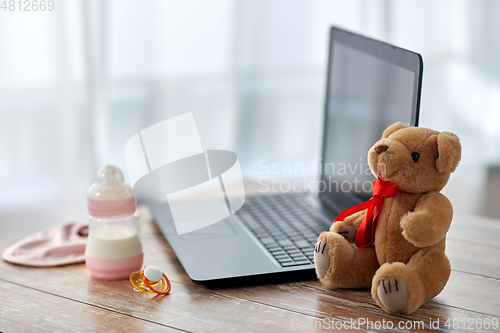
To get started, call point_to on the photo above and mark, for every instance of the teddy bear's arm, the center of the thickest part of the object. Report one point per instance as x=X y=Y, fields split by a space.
x=350 y=226
x=430 y=220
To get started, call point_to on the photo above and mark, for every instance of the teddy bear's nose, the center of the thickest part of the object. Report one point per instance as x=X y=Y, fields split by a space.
x=381 y=148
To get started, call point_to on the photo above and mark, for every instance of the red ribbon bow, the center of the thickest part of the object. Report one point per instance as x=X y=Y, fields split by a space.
x=366 y=232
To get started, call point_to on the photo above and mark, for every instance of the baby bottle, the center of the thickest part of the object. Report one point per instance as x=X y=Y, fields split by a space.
x=113 y=248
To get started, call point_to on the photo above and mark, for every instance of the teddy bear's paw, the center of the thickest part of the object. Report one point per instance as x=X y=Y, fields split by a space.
x=348 y=232
x=393 y=294
x=321 y=258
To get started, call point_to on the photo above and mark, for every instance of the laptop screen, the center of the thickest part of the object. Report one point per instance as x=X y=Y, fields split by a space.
x=370 y=86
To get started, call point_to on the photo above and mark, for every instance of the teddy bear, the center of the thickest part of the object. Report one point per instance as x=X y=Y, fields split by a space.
x=400 y=233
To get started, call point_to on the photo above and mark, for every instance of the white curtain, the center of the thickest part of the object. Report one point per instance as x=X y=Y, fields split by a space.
x=77 y=82
x=45 y=156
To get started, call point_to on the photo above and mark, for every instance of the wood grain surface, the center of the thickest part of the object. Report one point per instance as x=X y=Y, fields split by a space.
x=67 y=299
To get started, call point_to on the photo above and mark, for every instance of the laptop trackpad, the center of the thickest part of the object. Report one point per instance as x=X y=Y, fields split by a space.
x=222 y=250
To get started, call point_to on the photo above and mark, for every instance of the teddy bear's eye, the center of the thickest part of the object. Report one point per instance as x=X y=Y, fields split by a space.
x=415 y=157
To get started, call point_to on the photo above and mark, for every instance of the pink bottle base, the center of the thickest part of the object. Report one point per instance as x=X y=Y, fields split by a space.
x=114 y=269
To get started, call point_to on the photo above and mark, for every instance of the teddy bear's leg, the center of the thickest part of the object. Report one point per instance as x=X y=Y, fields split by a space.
x=404 y=288
x=340 y=265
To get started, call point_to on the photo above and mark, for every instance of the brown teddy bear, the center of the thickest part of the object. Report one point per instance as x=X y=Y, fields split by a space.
x=403 y=258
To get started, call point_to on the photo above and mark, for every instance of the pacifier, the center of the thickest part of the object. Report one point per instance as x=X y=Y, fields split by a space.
x=149 y=279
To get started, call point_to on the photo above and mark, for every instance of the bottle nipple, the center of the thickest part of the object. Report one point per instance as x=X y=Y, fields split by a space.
x=111 y=180
x=110 y=195
x=149 y=279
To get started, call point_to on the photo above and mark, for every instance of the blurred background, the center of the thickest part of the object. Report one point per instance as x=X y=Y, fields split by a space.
x=78 y=81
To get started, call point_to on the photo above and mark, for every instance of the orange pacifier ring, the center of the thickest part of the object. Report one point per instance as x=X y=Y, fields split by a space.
x=149 y=279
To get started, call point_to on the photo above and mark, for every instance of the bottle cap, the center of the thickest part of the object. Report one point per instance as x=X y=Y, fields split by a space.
x=110 y=196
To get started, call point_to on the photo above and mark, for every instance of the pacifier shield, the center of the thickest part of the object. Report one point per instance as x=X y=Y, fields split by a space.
x=151 y=280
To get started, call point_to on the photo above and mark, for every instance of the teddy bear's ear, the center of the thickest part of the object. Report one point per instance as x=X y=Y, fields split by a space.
x=393 y=128
x=449 y=152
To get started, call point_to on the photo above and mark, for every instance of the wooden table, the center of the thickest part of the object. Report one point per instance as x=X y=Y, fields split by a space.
x=67 y=299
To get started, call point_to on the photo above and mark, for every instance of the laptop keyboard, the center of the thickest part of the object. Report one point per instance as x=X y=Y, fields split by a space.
x=285 y=225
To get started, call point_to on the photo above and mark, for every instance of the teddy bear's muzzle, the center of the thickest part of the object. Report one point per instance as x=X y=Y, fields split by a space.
x=381 y=148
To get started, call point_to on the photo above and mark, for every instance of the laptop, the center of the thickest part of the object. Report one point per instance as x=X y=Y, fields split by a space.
x=370 y=85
